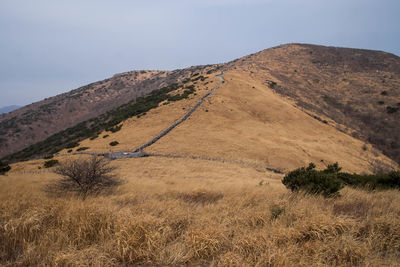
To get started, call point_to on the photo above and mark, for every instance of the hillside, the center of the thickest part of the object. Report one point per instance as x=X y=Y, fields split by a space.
x=36 y=122
x=354 y=91
x=357 y=89
x=243 y=120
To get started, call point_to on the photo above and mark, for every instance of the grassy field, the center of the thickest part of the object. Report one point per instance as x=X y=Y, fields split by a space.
x=182 y=211
x=193 y=212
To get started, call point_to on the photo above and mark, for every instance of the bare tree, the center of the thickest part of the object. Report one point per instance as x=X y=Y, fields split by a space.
x=85 y=176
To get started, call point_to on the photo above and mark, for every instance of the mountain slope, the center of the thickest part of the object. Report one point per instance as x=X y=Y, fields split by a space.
x=37 y=121
x=243 y=121
x=358 y=89
x=281 y=107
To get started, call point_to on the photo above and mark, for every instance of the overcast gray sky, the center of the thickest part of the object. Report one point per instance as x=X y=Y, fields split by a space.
x=49 y=46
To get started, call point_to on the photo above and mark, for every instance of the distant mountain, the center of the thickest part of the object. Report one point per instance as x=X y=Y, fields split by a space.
x=8 y=109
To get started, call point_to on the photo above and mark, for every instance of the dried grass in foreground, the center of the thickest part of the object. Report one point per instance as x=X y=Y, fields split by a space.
x=217 y=225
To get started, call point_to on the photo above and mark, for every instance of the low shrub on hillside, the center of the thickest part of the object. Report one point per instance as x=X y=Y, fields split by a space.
x=82 y=148
x=271 y=84
x=72 y=145
x=4 y=168
x=84 y=177
x=114 y=129
x=50 y=163
x=391 y=110
x=312 y=181
x=329 y=181
x=114 y=143
x=373 y=181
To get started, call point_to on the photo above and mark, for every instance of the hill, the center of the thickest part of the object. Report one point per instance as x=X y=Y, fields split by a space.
x=357 y=89
x=36 y=122
x=354 y=91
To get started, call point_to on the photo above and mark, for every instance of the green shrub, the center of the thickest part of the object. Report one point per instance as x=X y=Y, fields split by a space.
x=114 y=143
x=105 y=136
x=391 y=110
x=329 y=181
x=271 y=84
x=50 y=163
x=49 y=156
x=114 y=129
x=314 y=182
x=4 y=168
x=72 y=145
x=82 y=148
x=94 y=137
x=389 y=180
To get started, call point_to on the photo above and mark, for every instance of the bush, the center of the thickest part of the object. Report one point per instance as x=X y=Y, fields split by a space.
x=308 y=179
x=114 y=143
x=85 y=177
x=4 y=168
x=114 y=129
x=72 y=145
x=82 y=148
x=50 y=163
x=390 y=180
x=329 y=181
x=271 y=84
x=391 y=110
x=276 y=211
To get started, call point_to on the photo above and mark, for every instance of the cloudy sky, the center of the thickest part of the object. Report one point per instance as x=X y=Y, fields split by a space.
x=50 y=46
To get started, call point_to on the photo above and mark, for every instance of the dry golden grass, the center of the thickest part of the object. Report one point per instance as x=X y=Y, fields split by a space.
x=244 y=120
x=193 y=212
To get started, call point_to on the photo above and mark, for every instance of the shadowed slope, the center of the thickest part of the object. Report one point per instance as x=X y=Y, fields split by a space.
x=358 y=89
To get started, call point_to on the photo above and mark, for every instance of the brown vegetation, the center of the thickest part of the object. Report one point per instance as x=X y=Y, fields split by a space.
x=193 y=219
x=190 y=211
x=84 y=177
x=355 y=88
x=35 y=122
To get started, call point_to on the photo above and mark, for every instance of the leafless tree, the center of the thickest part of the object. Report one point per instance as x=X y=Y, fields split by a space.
x=85 y=177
